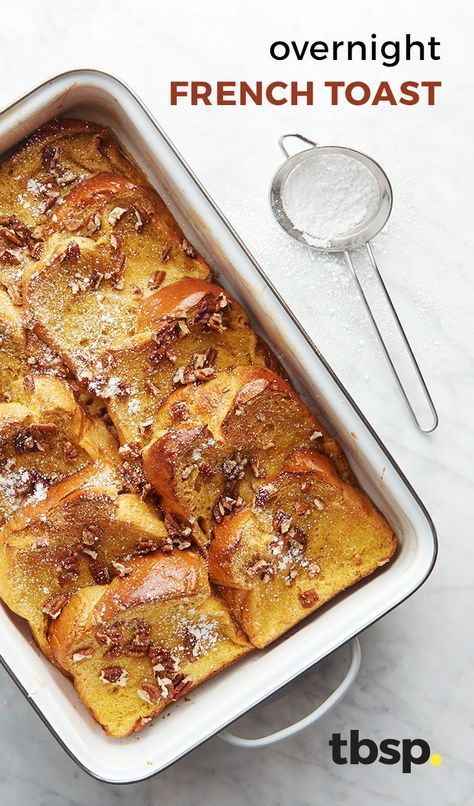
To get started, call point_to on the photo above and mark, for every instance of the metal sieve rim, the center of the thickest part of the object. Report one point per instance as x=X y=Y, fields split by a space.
x=343 y=243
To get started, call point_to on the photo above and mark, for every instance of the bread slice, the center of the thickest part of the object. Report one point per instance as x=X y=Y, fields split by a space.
x=49 y=163
x=21 y=352
x=37 y=176
x=93 y=284
x=192 y=330
x=144 y=641
x=210 y=447
x=80 y=532
x=306 y=537
x=112 y=208
x=44 y=436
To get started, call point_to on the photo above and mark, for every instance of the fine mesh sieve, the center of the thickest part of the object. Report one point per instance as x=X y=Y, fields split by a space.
x=395 y=345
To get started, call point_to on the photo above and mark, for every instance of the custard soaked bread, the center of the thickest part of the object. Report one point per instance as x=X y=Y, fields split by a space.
x=189 y=331
x=21 y=352
x=305 y=537
x=113 y=333
x=44 y=436
x=36 y=178
x=80 y=532
x=211 y=446
x=144 y=641
x=111 y=250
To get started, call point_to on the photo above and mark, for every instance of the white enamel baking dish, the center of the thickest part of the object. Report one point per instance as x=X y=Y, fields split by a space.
x=219 y=702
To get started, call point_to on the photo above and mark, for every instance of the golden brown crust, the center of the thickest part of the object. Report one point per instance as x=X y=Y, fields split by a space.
x=222 y=424
x=194 y=330
x=273 y=575
x=154 y=578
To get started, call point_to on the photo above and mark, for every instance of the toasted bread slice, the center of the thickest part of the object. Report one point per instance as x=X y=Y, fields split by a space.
x=144 y=641
x=37 y=176
x=306 y=537
x=94 y=286
x=44 y=436
x=47 y=165
x=211 y=446
x=80 y=532
x=110 y=207
x=21 y=352
x=193 y=330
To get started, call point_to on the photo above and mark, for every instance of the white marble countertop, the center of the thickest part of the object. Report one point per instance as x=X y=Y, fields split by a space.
x=416 y=675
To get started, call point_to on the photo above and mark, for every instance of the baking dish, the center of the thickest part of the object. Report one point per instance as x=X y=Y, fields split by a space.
x=98 y=96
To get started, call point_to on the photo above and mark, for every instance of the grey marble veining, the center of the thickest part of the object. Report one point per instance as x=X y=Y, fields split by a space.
x=416 y=675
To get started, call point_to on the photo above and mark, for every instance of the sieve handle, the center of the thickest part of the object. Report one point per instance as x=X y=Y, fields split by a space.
x=433 y=420
x=281 y=142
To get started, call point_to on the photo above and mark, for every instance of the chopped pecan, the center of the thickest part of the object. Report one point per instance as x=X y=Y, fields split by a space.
x=71 y=253
x=262 y=569
x=53 y=606
x=93 y=223
x=156 y=279
x=302 y=507
x=263 y=495
x=165 y=253
x=44 y=428
x=70 y=451
x=176 y=527
x=141 y=637
x=8 y=258
x=82 y=653
x=187 y=248
x=121 y=569
x=110 y=634
x=24 y=442
x=91 y=534
x=179 y=411
x=142 y=217
x=258 y=471
x=225 y=505
x=116 y=675
x=99 y=572
x=181 y=686
x=162 y=661
x=116 y=214
x=234 y=468
x=308 y=598
x=153 y=694
x=11 y=236
x=147 y=545
x=68 y=568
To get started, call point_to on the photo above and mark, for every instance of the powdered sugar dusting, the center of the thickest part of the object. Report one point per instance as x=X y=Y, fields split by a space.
x=329 y=196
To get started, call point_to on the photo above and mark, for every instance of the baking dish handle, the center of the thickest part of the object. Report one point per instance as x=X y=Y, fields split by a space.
x=322 y=709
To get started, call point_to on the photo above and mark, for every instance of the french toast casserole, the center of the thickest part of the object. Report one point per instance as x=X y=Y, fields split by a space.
x=167 y=502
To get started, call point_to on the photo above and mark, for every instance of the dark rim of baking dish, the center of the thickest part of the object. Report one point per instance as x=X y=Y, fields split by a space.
x=101 y=73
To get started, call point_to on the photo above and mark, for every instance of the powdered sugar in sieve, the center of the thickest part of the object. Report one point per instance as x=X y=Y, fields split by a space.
x=330 y=196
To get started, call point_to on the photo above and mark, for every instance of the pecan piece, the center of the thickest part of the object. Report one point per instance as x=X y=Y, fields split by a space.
x=187 y=248
x=99 y=572
x=53 y=606
x=110 y=634
x=151 y=693
x=116 y=675
x=156 y=279
x=181 y=686
x=308 y=598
